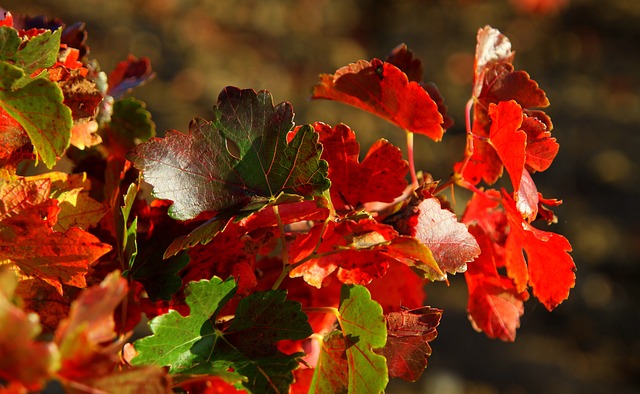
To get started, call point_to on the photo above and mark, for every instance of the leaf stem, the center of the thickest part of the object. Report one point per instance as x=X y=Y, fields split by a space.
x=412 y=164
x=285 y=251
x=468 y=152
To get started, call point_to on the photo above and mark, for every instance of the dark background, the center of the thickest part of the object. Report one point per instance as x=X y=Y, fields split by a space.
x=585 y=54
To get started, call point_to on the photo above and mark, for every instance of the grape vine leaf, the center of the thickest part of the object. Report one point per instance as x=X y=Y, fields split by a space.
x=347 y=361
x=379 y=177
x=25 y=362
x=174 y=335
x=449 y=241
x=494 y=81
x=508 y=139
x=130 y=121
x=15 y=145
x=37 y=53
x=548 y=269
x=87 y=338
x=38 y=107
x=148 y=380
x=403 y=58
x=384 y=90
x=28 y=240
x=77 y=207
x=239 y=161
x=495 y=305
x=408 y=335
x=242 y=353
x=360 y=251
x=399 y=288
x=129 y=74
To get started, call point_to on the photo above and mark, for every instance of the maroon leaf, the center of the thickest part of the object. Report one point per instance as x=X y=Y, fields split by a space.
x=408 y=335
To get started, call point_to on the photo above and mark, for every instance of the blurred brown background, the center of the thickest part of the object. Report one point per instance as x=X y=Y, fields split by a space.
x=584 y=53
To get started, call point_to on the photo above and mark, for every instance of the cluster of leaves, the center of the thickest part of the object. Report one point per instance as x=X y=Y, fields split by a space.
x=272 y=257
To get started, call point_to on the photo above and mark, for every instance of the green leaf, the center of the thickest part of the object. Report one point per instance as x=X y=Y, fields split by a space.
x=130 y=121
x=174 y=335
x=127 y=234
x=240 y=160
x=362 y=329
x=9 y=42
x=159 y=277
x=38 y=108
x=243 y=352
x=38 y=52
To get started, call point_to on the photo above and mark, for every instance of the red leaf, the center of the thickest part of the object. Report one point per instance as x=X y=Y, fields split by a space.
x=404 y=59
x=379 y=177
x=128 y=74
x=347 y=246
x=494 y=305
x=449 y=241
x=360 y=251
x=508 y=139
x=541 y=147
x=15 y=144
x=408 y=335
x=383 y=89
x=87 y=338
x=548 y=269
x=494 y=81
x=399 y=288
x=25 y=362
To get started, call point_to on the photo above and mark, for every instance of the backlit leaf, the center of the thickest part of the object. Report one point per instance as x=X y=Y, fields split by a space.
x=383 y=89
x=548 y=269
x=379 y=177
x=38 y=107
x=87 y=337
x=494 y=306
x=240 y=160
x=28 y=240
x=348 y=362
x=449 y=241
x=508 y=139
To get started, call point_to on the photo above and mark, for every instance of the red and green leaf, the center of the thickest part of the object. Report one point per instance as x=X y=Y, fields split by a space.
x=348 y=361
x=239 y=161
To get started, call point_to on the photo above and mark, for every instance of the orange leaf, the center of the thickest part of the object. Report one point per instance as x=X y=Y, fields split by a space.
x=55 y=257
x=24 y=362
x=87 y=338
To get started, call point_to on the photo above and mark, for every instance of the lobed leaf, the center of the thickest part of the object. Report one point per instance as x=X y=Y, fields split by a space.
x=449 y=241
x=38 y=107
x=384 y=90
x=25 y=362
x=408 y=335
x=379 y=177
x=347 y=361
x=239 y=161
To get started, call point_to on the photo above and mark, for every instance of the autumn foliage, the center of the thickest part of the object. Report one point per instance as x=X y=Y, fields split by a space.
x=269 y=257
